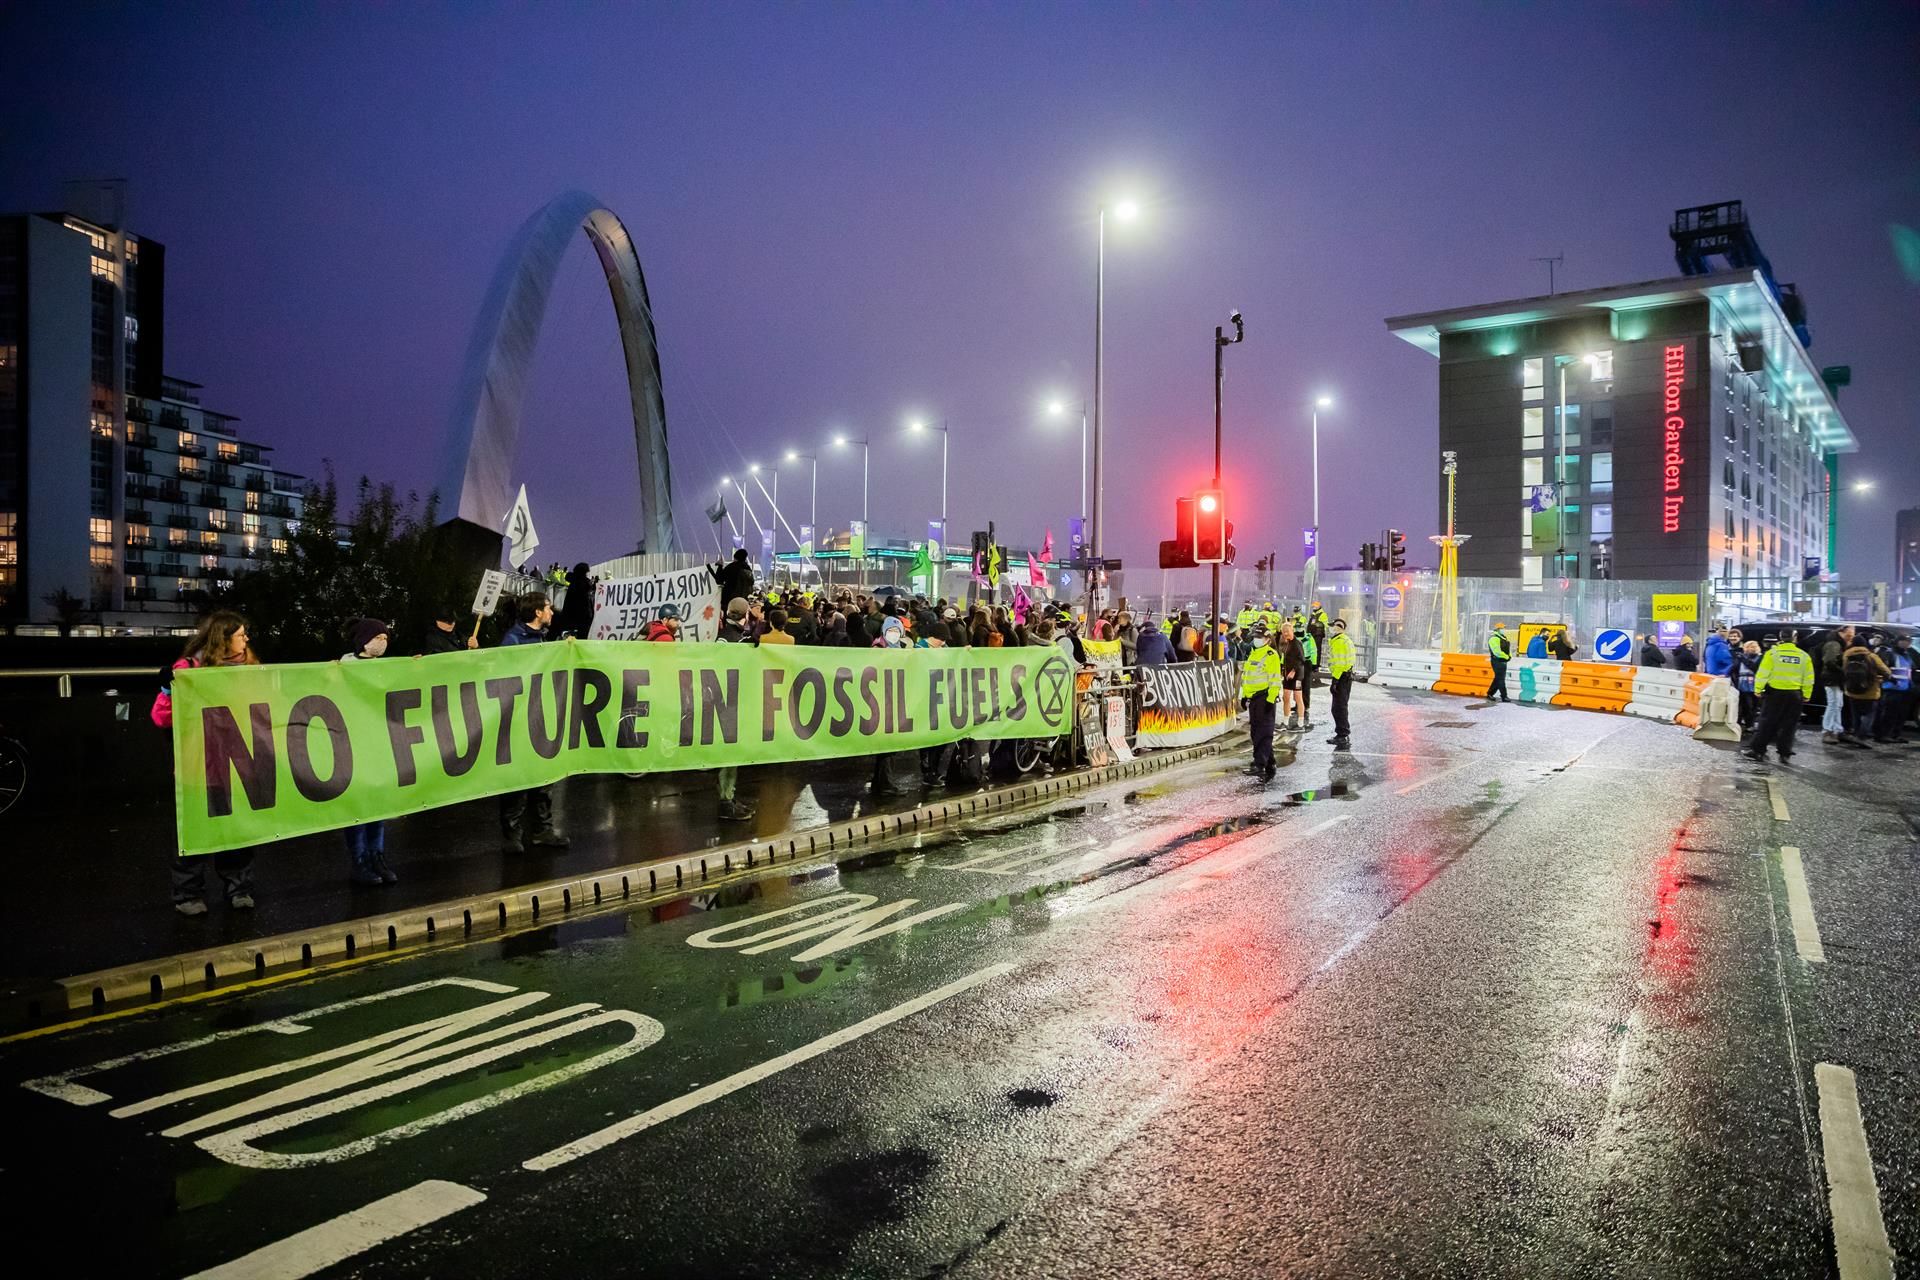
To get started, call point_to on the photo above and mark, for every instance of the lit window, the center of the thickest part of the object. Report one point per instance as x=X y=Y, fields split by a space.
x=103 y=424
x=187 y=440
x=1601 y=365
x=1526 y=528
x=100 y=557
x=1602 y=472
x=1530 y=571
x=1532 y=427
x=229 y=450
x=1532 y=378
x=250 y=522
x=279 y=546
x=1602 y=520
x=1532 y=472
x=100 y=532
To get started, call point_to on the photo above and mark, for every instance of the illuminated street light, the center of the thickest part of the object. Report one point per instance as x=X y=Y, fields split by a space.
x=1057 y=408
x=840 y=441
x=919 y=428
x=1862 y=486
x=1126 y=210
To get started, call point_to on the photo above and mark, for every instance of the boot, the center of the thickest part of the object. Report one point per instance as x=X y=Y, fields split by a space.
x=548 y=839
x=1830 y=738
x=384 y=871
x=733 y=811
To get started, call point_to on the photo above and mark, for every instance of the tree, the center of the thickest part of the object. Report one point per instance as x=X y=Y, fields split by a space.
x=69 y=610
x=386 y=560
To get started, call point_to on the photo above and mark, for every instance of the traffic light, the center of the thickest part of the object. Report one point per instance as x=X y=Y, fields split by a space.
x=1210 y=526
x=1396 y=549
x=1178 y=553
x=1366 y=555
x=1231 y=549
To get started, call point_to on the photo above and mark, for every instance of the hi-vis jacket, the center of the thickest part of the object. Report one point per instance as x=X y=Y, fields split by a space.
x=1787 y=668
x=1499 y=647
x=1339 y=654
x=1260 y=673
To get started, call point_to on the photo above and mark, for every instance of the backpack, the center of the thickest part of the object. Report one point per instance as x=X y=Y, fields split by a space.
x=1856 y=674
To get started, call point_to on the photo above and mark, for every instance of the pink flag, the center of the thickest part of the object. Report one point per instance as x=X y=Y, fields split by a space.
x=1036 y=573
x=1046 y=551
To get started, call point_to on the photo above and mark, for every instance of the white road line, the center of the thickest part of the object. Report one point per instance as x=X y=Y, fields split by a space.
x=1859 y=1233
x=1435 y=777
x=623 y=1129
x=1806 y=929
x=1779 y=800
x=1208 y=870
x=348 y=1235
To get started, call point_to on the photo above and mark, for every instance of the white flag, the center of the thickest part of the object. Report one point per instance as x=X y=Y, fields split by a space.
x=522 y=541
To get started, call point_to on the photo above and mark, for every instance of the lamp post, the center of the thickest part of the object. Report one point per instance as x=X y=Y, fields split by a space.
x=753 y=469
x=841 y=442
x=1056 y=409
x=1313 y=561
x=918 y=427
x=813 y=486
x=1125 y=211
x=1220 y=344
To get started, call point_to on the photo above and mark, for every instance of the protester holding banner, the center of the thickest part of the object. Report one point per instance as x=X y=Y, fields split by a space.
x=220 y=641
x=526 y=817
x=367 y=841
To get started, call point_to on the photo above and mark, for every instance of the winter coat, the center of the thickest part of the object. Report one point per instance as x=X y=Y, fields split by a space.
x=1716 y=658
x=1879 y=672
x=735 y=578
x=1685 y=659
x=521 y=633
x=1155 y=649
x=1651 y=655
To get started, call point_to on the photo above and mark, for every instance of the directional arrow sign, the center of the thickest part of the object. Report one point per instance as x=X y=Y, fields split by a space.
x=1613 y=645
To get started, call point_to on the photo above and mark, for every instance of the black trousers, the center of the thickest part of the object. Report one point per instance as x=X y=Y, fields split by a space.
x=233 y=866
x=1779 y=717
x=1260 y=726
x=528 y=813
x=1498 y=689
x=1342 y=690
x=1893 y=714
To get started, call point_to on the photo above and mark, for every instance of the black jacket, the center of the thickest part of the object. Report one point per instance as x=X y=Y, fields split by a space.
x=1651 y=655
x=439 y=641
x=1685 y=659
x=735 y=578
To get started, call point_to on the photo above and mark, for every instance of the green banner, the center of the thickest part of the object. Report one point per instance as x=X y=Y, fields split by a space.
x=267 y=752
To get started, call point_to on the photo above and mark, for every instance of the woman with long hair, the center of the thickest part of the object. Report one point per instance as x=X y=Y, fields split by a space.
x=220 y=641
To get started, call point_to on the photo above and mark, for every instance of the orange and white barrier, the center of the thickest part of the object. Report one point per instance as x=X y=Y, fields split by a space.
x=1695 y=701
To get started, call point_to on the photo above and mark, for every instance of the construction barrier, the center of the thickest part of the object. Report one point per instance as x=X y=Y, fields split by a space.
x=1407 y=668
x=1469 y=674
x=1700 y=702
x=1595 y=686
x=1533 y=679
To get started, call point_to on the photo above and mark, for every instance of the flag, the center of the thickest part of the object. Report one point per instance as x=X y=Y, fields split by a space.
x=718 y=510
x=522 y=541
x=1036 y=573
x=1046 y=549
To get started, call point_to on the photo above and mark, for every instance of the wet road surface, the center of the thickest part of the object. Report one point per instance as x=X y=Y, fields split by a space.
x=1506 y=991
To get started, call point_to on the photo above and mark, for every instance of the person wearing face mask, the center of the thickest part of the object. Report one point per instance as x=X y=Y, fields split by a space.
x=1260 y=680
x=367 y=841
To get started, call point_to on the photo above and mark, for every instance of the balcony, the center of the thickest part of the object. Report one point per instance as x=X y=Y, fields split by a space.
x=283 y=509
x=258 y=483
x=172 y=419
x=284 y=483
x=223 y=475
x=142 y=440
x=180 y=520
x=171 y=569
x=139 y=515
x=168 y=491
x=212 y=498
x=137 y=413
x=193 y=451
x=139 y=467
x=139 y=544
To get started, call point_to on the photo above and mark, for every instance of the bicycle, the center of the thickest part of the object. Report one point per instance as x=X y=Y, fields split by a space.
x=13 y=771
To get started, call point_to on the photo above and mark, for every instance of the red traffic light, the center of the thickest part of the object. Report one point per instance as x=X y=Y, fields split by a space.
x=1210 y=526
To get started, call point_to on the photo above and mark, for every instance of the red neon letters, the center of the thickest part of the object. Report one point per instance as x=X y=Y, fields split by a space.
x=1674 y=373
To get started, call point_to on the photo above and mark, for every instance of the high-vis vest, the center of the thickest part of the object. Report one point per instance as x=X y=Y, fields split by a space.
x=1310 y=650
x=1339 y=653
x=1500 y=647
x=1901 y=664
x=1785 y=669
x=1260 y=673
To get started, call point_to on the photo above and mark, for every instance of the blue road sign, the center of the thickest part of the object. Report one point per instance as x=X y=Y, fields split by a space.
x=1613 y=645
x=1390 y=598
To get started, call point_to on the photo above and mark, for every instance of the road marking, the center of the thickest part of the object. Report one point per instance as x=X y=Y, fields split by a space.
x=1859 y=1232
x=666 y=1111
x=1806 y=929
x=854 y=919
x=1779 y=801
x=1435 y=777
x=1010 y=861
x=349 y=1235
x=1209 y=869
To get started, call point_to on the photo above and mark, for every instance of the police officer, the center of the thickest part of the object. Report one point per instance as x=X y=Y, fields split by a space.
x=1340 y=667
x=1783 y=684
x=1500 y=651
x=1260 y=686
x=1309 y=675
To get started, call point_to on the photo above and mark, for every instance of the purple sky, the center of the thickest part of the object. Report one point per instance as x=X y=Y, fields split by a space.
x=850 y=214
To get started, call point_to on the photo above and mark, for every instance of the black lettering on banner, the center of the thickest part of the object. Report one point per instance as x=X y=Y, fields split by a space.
x=958 y=708
x=686 y=708
x=454 y=759
x=843 y=699
x=546 y=745
x=805 y=723
x=300 y=751
x=719 y=709
x=592 y=691
x=897 y=681
x=227 y=753
x=936 y=692
x=870 y=722
x=633 y=709
x=977 y=677
x=1018 y=711
x=770 y=702
x=401 y=736
x=505 y=690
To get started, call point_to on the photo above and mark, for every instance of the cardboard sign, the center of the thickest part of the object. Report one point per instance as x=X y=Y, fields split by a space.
x=488 y=595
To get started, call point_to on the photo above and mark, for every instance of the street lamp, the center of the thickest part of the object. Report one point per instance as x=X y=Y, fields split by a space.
x=919 y=428
x=1125 y=210
x=813 y=499
x=1322 y=402
x=1560 y=363
x=1058 y=409
x=841 y=442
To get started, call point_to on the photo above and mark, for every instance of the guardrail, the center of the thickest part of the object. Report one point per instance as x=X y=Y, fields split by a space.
x=63 y=677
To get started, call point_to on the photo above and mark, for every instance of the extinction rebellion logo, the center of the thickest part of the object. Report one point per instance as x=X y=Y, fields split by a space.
x=1674 y=374
x=1050 y=693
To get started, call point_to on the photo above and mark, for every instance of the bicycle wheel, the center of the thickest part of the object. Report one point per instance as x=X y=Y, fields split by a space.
x=13 y=773
x=1028 y=753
